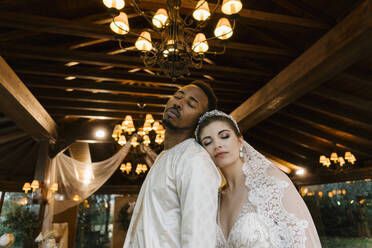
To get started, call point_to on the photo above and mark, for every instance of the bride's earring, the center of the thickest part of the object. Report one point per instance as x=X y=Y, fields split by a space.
x=241 y=152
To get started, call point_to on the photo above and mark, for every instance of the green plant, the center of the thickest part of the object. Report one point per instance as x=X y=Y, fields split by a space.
x=22 y=221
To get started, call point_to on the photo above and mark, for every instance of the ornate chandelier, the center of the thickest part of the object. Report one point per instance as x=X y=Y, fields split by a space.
x=173 y=51
x=127 y=128
x=335 y=161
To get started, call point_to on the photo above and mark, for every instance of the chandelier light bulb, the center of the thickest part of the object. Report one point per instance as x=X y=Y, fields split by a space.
x=334 y=157
x=327 y=163
x=322 y=159
x=149 y=118
x=141 y=131
x=230 y=7
x=34 y=185
x=155 y=126
x=122 y=167
x=147 y=127
x=76 y=198
x=201 y=12
x=200 y=44
x=128 y=119
x=143 y=42
x=353 y=159
x=117 y=4
x=348 y=156
x=161 y=129
x=223 y=29
x=160 y=18
x=134 y=142
x=26 y=187
x=341 y=161
x=120 y=24
x=122 y=140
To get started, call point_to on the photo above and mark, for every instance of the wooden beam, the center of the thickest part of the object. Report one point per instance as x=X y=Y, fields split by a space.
x=339 y=111
x=120 y=84
x=11 y=137
x=298 y=8
x=346 y=43
x=103 y=107
x=265 y=147
x=253 y=16
x=22 y=107
x=53 y=25
x=74 y=113
x=298 y=142
x=347 y=99
x=326 y=122
x=85 y=96
x=88 y=96
x=351 y=143
x=128 y=62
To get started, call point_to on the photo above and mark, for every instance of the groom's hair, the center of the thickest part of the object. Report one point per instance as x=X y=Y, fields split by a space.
x=207 y=89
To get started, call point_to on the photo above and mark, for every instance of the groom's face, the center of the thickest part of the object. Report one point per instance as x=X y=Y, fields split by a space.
x=185 y=107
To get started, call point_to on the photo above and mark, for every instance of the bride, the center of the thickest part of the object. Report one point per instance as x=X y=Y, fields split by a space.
x=259 y=206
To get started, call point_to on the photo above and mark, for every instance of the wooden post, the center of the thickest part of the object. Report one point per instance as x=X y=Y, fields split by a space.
x=2 y=200
x=43 y=174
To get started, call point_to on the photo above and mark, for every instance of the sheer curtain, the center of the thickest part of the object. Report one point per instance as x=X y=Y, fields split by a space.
x=77 y=180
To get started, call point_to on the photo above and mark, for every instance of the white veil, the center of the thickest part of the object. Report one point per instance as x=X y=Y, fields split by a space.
x=278 y=202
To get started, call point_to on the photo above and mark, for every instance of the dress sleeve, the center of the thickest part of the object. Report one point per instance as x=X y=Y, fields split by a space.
x=197 y=188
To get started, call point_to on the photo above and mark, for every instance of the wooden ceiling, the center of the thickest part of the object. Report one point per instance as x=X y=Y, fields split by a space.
x=297 y=75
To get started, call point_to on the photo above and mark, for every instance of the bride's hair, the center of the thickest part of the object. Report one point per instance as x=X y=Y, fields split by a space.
x=209 y=119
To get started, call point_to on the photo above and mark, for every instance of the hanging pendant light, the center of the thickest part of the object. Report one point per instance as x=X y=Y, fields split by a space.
x=200 y=44
x=120 y=24
x=122 y=140
x=35 y=185
x=223 y=29
x=117 y=4
x=201 y=12
x=230 y=7
x=26 y=187
x=160 y=18
x=143 y=42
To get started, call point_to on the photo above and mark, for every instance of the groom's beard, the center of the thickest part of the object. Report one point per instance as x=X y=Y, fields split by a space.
x=173 y=128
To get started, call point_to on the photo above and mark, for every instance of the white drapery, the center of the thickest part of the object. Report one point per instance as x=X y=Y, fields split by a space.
x=80 y=180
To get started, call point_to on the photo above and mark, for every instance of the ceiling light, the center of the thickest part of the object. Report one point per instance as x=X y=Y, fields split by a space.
x=100 y=133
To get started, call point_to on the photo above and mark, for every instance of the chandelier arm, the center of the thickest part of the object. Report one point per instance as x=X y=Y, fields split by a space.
x=139 y=11
x=209 y=17
x=218 y=53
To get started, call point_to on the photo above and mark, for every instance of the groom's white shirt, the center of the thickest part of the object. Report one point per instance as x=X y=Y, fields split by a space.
x=177 y=204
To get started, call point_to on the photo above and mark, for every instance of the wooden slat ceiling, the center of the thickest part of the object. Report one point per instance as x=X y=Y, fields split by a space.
x=38 y=40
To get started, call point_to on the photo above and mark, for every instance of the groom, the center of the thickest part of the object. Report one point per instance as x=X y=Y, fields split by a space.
x=177 y=204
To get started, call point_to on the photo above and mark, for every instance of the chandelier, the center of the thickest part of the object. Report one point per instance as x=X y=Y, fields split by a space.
x=173 y=50
x=143 y=133
x=335 y=161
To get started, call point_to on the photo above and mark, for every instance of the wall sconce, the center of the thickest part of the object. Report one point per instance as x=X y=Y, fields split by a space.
x=35 y=185
x=26 y=187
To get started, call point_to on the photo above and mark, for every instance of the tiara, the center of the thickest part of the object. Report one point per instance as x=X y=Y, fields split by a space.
x=212 y=113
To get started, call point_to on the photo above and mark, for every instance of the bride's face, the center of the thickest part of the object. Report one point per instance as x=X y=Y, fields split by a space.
x=221 y=142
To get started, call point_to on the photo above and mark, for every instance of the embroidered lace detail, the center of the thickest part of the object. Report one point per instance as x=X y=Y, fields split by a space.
x=266 y=193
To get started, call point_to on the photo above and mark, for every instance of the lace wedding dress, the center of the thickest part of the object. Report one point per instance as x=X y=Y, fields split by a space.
x=274 y=214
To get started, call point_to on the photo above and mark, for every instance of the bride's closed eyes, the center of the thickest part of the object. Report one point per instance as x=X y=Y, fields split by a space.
x=223 y=134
